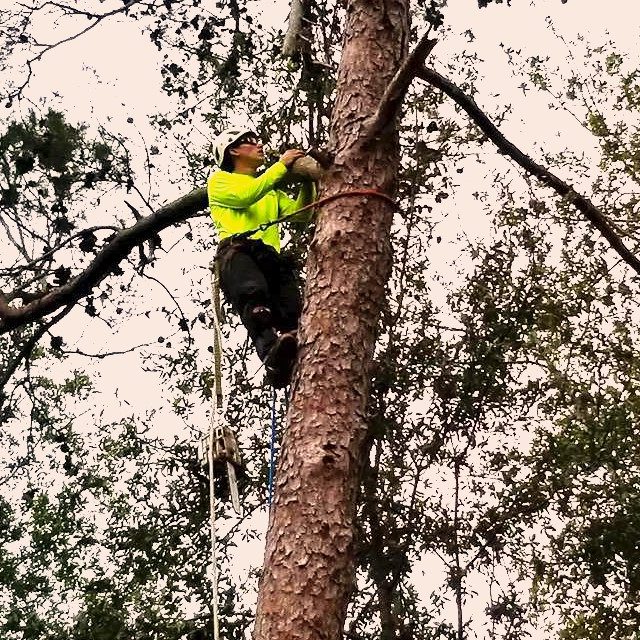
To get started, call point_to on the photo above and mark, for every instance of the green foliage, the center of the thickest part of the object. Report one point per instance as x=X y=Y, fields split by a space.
x=47 y=155
x=597 y=124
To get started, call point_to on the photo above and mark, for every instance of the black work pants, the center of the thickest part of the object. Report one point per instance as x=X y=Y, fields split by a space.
x=254 y=274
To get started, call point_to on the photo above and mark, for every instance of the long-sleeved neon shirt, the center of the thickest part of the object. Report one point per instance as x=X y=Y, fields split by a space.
x=240 y=202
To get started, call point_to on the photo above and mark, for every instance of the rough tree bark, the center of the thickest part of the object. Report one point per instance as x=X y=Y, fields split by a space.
x=309 y=567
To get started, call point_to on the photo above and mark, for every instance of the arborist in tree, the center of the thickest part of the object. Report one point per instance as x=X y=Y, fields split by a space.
x=259 y=282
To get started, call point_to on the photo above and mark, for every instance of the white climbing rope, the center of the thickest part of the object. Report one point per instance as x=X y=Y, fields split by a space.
x=217 y=400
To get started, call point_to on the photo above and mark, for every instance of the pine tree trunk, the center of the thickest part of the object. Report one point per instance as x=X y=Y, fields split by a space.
x=309 y=565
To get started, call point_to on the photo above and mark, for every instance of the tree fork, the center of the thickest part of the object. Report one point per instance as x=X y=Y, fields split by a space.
x=309 y=568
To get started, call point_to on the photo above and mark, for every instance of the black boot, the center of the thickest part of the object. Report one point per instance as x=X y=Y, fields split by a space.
x=281 y=360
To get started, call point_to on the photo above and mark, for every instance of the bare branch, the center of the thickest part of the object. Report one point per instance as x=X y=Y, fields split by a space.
x=394 y=95
x=18 y=245
x=21 y=291
x=28 y=346
x=183 y=319
x=45 y=48
x=61 y=245
x=592 y=213
x=104 y=262
x=106 y=354
x=294 y=30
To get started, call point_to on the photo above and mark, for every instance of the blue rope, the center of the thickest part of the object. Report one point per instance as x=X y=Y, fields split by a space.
x=272 y=461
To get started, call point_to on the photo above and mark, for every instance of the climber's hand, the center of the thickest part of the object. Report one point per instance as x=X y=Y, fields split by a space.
x=290 y=156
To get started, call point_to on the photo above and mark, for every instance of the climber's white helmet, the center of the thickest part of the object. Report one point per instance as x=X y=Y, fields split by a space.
x=225 y=139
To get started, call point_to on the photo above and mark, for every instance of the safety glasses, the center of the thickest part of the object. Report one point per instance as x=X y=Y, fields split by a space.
x=252 y=140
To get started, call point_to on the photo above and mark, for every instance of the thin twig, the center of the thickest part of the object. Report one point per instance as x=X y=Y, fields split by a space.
x=184 y=323
x=28 y=346
x=48 y=47
x=64 y=243
x=100 y=356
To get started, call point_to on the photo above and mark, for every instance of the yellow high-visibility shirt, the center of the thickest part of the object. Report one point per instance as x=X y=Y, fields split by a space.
x=240 y=202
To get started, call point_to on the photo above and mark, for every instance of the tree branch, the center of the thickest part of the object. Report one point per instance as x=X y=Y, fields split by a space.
x=45 y=48
x=104 y=262
x=592 y=213
x=290 y=46
x=28 y=346
x=394 y=95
